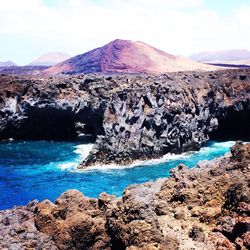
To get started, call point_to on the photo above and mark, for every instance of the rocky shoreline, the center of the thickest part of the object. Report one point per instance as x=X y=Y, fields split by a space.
x=130 y=117
x=206 y=207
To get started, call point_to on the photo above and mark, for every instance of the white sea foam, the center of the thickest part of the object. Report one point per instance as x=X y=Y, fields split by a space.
x=226 y=144
x=165 y=158
x=68 y=165
x=82 y=151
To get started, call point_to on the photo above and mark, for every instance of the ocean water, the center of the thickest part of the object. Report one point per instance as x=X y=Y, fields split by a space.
x=44 y=169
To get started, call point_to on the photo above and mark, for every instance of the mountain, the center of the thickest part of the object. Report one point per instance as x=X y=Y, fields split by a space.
x=22 y=70
x=7 y=64
x=124 y=56
x=235 y=56
x=50 y=59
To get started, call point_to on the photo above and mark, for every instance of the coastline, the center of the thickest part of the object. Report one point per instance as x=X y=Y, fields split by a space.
x=155 y=161
x=202 y=208
x=26 y=164
x=132 y=117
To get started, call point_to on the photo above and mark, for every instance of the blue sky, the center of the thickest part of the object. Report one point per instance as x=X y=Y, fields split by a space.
x=224 y=7
x=29 y=28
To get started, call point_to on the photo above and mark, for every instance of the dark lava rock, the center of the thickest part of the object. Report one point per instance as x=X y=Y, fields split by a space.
x=131 y=117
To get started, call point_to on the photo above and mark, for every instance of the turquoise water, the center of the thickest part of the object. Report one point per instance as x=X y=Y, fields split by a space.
x=44 y=169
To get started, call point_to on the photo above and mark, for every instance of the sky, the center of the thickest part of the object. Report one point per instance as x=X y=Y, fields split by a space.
x=30 y=28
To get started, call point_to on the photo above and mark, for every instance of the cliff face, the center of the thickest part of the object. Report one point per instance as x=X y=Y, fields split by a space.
x=131 y=117
x=172 y=113
x=206 y=207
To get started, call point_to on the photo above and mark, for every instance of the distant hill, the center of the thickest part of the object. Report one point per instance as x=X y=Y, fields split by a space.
x=233 y=57
x=22 y=70
x=50 y=59
x=124 y=56
x=7 y=64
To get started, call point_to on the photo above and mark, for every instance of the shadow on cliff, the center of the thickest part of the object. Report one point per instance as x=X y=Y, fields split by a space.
x=51 y=123
x=235 y=125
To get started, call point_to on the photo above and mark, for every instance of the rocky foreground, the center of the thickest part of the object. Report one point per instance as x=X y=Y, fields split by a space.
x=131 y=117
x=207 y=207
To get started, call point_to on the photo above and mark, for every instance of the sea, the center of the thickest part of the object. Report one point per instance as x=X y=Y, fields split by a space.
x=44 y=169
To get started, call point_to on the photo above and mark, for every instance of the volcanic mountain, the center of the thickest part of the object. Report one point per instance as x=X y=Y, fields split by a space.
x=50 y=59
x=124 y=56
x=7 y=64
x=234 y=56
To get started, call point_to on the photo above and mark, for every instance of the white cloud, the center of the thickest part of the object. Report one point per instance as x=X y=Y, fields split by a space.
x=75 y=26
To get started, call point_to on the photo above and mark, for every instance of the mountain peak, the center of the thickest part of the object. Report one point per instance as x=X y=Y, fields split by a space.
x=126 y=56
x=50 y=59
x=7 y=64
x=232 y=56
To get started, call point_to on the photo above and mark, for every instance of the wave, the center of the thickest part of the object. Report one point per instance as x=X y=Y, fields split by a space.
x=226 y=144
x=82 y=151
x=138 y=163
x=203 y=152
x=68 y=166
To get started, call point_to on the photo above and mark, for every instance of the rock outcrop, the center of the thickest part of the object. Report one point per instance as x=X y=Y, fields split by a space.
x=206 y=207
x=131 y=117
x=172 y=113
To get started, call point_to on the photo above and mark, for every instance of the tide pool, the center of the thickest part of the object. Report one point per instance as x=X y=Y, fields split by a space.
x=45 y=169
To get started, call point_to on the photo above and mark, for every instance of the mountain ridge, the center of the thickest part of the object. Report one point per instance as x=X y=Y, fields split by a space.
x=233 y=56
x=49 y=59
x=125 y=56
x=8 y=63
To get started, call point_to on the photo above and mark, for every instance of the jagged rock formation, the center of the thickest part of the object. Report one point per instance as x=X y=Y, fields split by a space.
x=207 y=207
x=124 y=56
x=172 y=113
x=18 y=230
x=132 y=117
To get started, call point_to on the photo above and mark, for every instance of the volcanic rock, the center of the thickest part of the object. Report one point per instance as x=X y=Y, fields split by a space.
x=133 y=222
x=129 y=117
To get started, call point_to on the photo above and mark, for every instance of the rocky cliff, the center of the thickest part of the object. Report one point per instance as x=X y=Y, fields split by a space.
x=132 y=117
x=206 y=207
